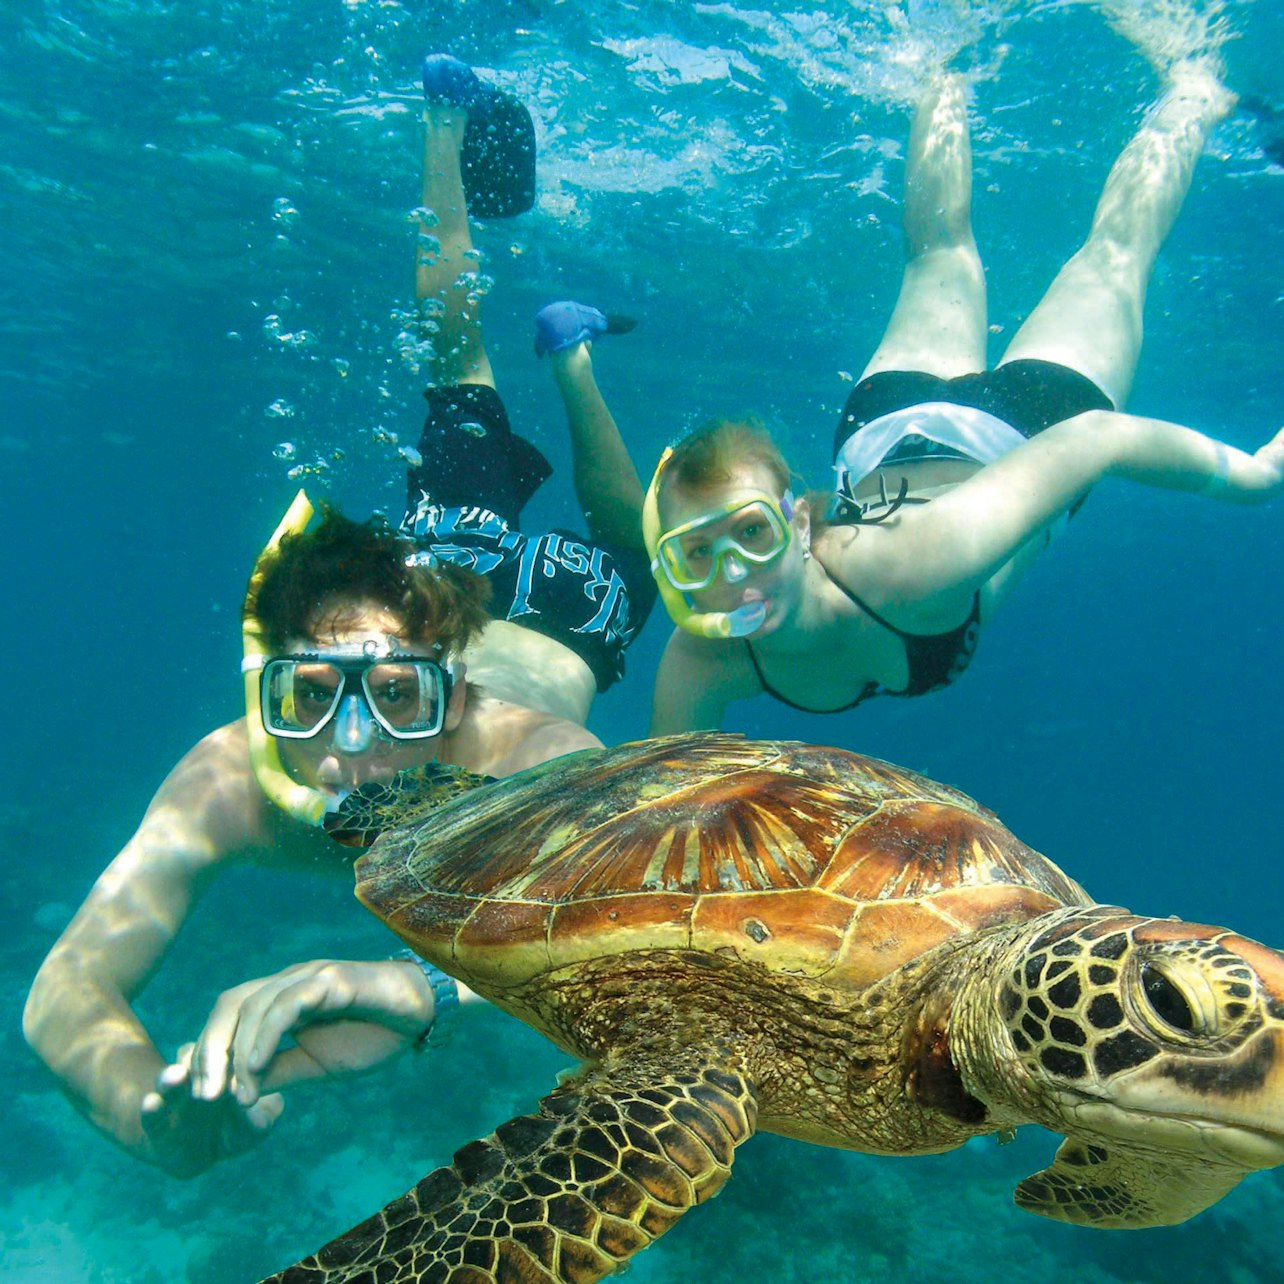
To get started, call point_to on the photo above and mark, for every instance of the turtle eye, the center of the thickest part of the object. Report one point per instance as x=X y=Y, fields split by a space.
x=1167 y=1002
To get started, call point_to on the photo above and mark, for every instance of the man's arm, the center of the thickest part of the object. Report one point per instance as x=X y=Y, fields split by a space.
x=79 y=1017
x=323 y=1019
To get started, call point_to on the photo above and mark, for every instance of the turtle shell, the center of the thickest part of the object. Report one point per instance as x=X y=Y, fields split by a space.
x=812 y=860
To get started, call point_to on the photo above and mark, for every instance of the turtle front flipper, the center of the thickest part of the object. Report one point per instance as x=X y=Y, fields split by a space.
x=1118 y=1187
x=567 y=1195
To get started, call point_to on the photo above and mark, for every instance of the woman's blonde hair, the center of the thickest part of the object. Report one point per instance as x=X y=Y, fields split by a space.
x=706 y=457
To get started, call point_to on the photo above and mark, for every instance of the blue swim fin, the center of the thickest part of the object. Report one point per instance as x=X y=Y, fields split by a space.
x=497 y=163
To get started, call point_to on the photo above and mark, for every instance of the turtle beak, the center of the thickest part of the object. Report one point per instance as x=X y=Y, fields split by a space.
x=1221 y=1096
x=1247 y=1089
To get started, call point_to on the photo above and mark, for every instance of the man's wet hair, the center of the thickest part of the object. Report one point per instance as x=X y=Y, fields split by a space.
x=314 y=578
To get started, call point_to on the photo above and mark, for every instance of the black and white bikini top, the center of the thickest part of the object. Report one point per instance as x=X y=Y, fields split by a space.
x=934 y=659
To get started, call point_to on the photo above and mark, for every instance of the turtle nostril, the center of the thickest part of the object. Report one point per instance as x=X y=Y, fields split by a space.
x=1168 y=1002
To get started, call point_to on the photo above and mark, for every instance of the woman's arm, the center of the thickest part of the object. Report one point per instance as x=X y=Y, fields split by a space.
x=952 y=546
x=697 y=679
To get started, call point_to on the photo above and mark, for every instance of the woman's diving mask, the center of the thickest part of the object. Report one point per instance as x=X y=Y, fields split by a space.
x=752 y=530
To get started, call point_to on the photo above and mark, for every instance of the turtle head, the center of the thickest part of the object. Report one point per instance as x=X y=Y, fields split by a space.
x=403 y=801
x=1158 y=1047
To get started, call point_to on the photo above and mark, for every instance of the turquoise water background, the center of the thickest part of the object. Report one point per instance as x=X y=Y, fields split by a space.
x=204 y=249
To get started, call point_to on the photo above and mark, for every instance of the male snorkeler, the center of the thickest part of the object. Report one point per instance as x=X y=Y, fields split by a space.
x=353 y=659
x=358 y=642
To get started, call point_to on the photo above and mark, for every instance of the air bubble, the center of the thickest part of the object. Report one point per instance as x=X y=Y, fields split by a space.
x=283 y=212
x=317 y=468
x=299 y=339
x=422 y=214
x=475 y=283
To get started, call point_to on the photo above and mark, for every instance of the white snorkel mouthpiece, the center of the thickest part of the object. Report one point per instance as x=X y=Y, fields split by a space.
x=746 y=619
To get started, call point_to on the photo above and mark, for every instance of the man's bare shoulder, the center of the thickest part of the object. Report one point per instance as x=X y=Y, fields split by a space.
x=210 y=809
x=550 y=737
x=518 y=665
x=504 y=738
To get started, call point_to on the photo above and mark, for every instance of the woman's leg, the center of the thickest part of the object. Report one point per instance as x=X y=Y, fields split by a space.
x=1090 y=318
x=442 y=258
x=938 y=325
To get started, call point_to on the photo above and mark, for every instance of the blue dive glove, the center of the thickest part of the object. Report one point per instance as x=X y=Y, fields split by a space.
x=562 y=325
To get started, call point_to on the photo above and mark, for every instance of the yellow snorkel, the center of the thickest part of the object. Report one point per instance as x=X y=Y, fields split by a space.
x=739 y=623
x=300 y=801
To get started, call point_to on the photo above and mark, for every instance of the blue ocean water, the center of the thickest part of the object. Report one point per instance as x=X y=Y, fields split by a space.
x=205 y=247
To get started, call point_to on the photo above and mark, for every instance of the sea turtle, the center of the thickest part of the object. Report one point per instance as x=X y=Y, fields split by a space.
x=738 y=936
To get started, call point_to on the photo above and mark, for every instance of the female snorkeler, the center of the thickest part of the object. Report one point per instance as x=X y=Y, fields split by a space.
x=887 y=594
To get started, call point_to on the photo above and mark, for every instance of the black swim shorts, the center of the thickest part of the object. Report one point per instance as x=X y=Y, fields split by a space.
x=470 y=455
x=1030 y=395
x=464 y=504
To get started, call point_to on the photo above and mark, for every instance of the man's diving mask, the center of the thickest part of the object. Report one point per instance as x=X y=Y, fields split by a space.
x=750 y=531
x=367 y=691
x=406 y=695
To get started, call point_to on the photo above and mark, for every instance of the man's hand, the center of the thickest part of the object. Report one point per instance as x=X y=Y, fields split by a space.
x=186 y=1136
x=344 y=1018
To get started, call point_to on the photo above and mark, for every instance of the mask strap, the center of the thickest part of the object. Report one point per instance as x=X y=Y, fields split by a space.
x=889 y=506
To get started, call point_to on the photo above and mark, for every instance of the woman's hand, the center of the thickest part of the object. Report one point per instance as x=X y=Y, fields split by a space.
x=1259 y=476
